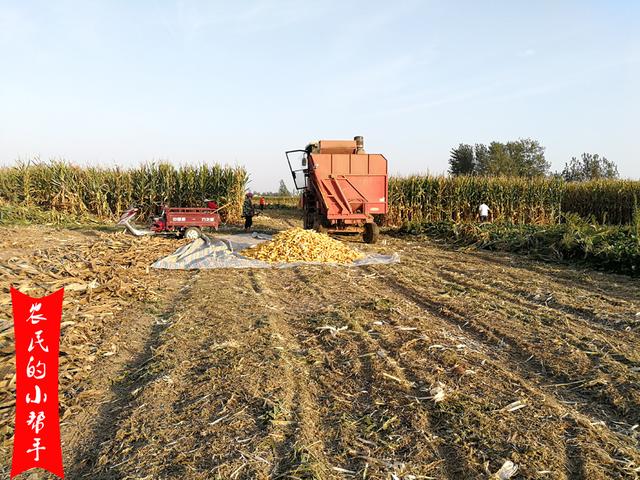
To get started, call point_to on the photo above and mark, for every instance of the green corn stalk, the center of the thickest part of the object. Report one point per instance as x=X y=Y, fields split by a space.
x=107 y=192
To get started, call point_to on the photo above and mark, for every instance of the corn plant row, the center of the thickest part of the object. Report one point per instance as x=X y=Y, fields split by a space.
x=108 y=192
x=614 y=202
x=425 y=199
x=292 y=201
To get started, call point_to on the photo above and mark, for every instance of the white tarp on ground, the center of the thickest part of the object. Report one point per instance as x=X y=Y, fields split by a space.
x=222 y=252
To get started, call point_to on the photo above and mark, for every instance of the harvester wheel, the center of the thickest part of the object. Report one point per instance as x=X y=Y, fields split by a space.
x=308 y=220
x=192 y=233
x=319 y=227
x=371 y=233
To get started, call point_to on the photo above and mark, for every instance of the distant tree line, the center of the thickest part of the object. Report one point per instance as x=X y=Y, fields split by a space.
x=589 y=167
x=283 y=191
x=524 y=158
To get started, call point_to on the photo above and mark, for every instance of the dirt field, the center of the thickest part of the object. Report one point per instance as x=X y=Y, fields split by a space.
x=321 y=372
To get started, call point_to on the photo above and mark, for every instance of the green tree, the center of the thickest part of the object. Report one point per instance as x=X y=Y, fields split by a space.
x=521 y=158
x=283 y=191
x=528 y=158
x=461 y=160
x=499 y=161
x=589 y=167
x=482 y=158
x=518 y=158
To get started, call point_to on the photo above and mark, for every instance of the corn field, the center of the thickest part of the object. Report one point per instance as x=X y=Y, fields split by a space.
x=612 y=202
x=434 y=199
x=283 y=202
x=108 y=192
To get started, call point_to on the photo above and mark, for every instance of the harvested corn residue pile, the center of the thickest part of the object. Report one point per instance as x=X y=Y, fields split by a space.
x=298 y=245
x=103 y=275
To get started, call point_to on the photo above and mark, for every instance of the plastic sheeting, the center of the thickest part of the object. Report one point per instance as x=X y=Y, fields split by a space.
x=222 y=252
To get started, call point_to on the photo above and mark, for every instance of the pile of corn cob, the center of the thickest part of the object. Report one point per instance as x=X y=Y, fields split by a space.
x=299 y=245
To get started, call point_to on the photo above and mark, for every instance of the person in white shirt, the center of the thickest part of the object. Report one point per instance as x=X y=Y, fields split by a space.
x=484 y=212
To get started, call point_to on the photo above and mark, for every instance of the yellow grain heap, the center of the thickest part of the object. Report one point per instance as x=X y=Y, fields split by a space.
x=299 y=245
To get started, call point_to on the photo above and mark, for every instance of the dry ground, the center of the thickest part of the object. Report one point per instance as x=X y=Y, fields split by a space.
x=321 y=372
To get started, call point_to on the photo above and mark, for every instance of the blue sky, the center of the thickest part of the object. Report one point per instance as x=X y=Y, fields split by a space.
x=123 y=82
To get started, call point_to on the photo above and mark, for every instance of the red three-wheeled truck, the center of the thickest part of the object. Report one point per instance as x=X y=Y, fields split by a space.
x=178 y=221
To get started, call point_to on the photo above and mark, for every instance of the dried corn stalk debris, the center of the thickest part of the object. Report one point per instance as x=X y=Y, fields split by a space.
x=299 y=245
x=102 y=276
x=508 y=470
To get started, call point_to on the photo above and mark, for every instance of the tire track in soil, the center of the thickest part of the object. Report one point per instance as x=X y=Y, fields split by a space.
x=582 y=314
x=514 y=294
x=527 y=366
x=572 y=320
x=540 y=390
x=619 y=293
x=296 y=450
x=610 y=359
x=85 y=464
x=222 y=342
x=470 y=263
x=576 y=455
x=607 y=285
x=378 y=363
x=330 y=367
x=518 y=344
x=290 y=223
x=579 y=318
x=455 y=465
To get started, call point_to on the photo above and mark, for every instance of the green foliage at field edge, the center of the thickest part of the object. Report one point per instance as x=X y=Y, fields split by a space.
x=609 y=248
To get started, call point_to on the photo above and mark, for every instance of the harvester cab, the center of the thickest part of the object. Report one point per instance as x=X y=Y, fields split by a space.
x=298 y=165
x=342 y=186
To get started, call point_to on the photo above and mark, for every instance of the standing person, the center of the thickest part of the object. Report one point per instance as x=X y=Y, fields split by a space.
x=484 y=212
x=262 y=203
x=248 y=211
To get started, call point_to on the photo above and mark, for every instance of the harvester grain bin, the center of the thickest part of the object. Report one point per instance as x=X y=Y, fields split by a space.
x=342 y=186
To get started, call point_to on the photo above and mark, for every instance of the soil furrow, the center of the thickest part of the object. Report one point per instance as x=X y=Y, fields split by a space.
x=443 y=366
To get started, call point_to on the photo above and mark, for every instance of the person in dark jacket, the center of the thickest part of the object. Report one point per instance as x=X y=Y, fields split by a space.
x=248 y=211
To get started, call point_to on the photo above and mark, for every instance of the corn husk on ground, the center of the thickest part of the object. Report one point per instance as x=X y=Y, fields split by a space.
x=101 y=276
x=315 y=372
x=299 y=245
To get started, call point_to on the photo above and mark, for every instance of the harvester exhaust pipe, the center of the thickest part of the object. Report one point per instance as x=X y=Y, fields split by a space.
x=359 y=144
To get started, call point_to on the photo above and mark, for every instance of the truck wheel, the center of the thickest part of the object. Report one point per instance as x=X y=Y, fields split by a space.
x=192 y=233
x=371 y=233
x=318 y=227
x=308 y=221
x=321 y=224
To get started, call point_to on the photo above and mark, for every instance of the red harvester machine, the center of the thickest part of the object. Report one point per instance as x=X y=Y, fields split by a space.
x=342 y=186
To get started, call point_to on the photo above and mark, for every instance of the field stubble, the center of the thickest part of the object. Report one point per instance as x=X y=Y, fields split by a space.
x=442 y=366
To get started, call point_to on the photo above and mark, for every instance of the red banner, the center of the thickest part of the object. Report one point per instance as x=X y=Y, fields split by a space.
x=36 y=323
